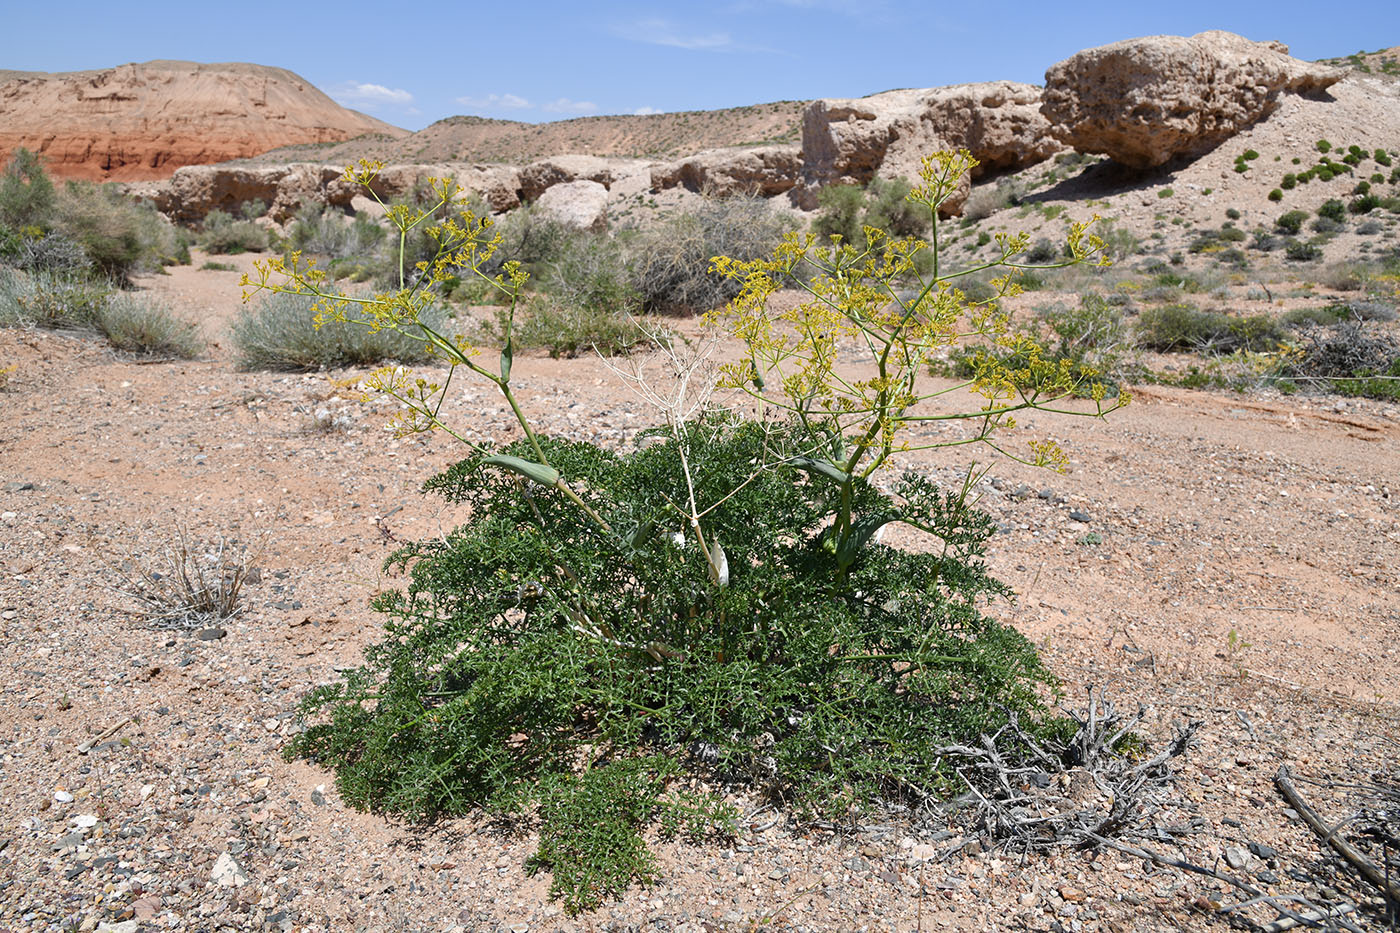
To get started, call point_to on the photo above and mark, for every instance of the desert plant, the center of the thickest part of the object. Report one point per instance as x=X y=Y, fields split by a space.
x=43 y=299
x=190 y=584
x=329 y=233
x=1176 y=328
x=1291 y=223
x=565 y=329
x=1332 y=209
x=137 y=324
x=1302 y=252
x=669 y=265
x=282 y=333
x=1276 y=195
x=27 y=197
x=221 y=233
x=54 y=252
x=718 y=595
x=847 y=209
x=119 y=235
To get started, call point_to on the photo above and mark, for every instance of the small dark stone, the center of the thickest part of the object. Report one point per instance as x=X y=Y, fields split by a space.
x=75 y=871
x=1046 y=493
x=18 y=487
x=286 y=604
x=1263 y=851
x=162 y=711
x=211 y=634
x=1079 y=515
x=888 y=876
x=318 y=798
x=1227 y=821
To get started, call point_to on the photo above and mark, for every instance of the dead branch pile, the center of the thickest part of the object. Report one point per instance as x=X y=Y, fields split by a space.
x=1029 y=794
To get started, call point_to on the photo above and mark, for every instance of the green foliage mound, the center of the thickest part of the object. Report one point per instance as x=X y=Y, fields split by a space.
x=715 y=603
x=503 y=667
x=280 y=333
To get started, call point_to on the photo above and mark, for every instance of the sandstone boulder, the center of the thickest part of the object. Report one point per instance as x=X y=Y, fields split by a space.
x=142 y=121
x=888 y=134
x=1145 y=101
x=541 y=175
x=763 y=170
x=195 y=190
x=582 y=205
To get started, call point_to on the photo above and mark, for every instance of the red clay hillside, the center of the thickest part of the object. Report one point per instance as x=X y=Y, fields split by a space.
x=143 y=121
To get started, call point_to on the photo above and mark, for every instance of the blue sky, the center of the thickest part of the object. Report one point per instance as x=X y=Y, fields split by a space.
x=415 y=62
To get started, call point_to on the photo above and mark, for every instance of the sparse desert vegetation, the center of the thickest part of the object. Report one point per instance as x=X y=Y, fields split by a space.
x=711 y=617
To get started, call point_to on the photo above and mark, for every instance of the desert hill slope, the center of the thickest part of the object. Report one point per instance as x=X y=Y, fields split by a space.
x=658 y=135
x=142 y=121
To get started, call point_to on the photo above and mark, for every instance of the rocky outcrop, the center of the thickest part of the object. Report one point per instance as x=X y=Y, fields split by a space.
x=539 y=176
x=763 y=170
x=195 y=190
x=1144 y=101
x=142 y=121
x=888 y=134
x=582 y=205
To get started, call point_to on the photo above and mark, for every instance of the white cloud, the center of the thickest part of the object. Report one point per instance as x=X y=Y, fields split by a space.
x=370 y=96
x=495 y=102
x=663 y=32
x=564 y=105
x=647 y=111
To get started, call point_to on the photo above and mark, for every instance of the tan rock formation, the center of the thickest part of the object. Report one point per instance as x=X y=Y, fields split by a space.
x=1144 y=101
x=195 y=190
x=142 y=121
x=539 y=176
x=852 y=141
x=762 y=170
x=582 y=205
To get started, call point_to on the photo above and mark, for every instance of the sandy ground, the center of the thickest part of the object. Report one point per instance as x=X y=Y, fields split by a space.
x=1246 y=576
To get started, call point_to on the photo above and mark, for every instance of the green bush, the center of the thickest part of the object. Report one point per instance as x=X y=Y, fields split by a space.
x=589 y=271
x=565 y=329
x=329 y=233
x=1292 y=222
x=1042 y=251
x=669 y=265
x=1302 y=252
x=129 y=322
x=1333 y=209
x=847 y=209
x=1364 y=204
x=1382 y=158
x=1232 y=213
x=280 y=333
x=135 y=324
x=1249 y=155
x=27 y=197
x=1290 y=181
x=54 y=252
x=221 y=234
x=48 y=300
x=1276 y=195
x=120 y=236
x=1324 y=146
x=1177 y=328
x=717 y=595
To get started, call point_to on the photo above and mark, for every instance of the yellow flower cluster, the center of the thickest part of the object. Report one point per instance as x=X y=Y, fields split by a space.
x=886 y=307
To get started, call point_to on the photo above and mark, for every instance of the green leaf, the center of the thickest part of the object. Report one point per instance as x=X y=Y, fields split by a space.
x=544 y=475
x=808 y=465
x=862 y=530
